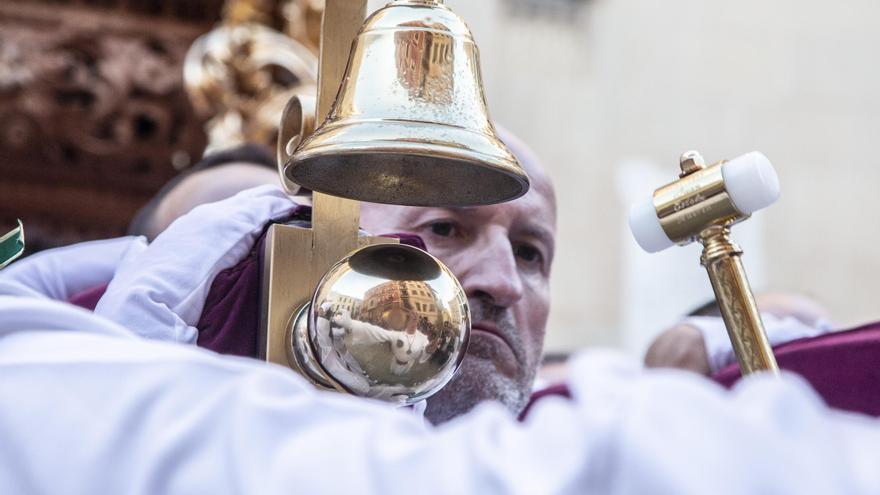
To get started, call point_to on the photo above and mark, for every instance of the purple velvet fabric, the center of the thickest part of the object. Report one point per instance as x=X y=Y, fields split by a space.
x=231 y=317
x=557 y=390
x=88 y=298
x=843 y=367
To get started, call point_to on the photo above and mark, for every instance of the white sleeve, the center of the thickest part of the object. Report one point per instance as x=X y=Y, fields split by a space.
x=373 y=333
x=63 y=272
x=719 y=350
x=140 y=416
x=361 y=330
x=160 y=293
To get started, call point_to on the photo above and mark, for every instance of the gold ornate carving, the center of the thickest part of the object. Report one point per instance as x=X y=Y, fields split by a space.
x=240 y=76
x=302 y=21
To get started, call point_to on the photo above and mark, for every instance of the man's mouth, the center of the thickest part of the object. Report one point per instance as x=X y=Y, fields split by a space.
x=489 y=327
x=488 y=342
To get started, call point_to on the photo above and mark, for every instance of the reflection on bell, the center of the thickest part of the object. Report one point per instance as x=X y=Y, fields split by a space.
x=389 y=322
x=410 y=124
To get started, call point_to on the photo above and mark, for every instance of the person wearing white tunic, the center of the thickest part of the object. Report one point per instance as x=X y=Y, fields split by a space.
x=88 y=407
x=330 y=358
x=408 y=346
x=63 y=272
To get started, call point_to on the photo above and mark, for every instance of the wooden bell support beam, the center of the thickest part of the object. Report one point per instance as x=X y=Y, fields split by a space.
x=296 y=259
x=335 y=220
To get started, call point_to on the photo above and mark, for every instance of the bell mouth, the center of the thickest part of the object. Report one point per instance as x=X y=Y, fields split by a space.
x=408 y=163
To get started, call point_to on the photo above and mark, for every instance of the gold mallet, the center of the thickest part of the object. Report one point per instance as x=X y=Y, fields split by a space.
x=701 y=206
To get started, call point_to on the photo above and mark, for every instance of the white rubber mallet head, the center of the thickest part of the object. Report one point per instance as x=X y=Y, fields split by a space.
x=751 y=183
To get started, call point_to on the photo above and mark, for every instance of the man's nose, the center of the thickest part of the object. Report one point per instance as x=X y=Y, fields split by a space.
x=492 y=271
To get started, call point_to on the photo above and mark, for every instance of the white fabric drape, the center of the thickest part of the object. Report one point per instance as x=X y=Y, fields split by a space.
x=63 y=272
x=86 y=407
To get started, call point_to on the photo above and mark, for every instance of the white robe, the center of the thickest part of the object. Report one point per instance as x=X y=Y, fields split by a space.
x=407 y=349
x=160 y=293
x=87 y=407
x=63 y=272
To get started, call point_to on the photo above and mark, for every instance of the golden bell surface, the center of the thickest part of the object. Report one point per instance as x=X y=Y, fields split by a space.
x=410 y=124
x=389 y=322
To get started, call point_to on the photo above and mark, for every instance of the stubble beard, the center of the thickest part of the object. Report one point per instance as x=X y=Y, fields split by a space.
x=480 y=379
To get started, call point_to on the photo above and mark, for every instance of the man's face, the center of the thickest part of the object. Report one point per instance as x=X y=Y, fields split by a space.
x=501 y=254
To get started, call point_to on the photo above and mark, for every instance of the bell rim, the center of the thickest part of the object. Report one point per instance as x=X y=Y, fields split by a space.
x=399 y=137
x=491 y=164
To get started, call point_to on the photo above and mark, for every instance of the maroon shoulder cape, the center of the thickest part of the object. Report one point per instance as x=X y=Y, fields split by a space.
x=843 y=367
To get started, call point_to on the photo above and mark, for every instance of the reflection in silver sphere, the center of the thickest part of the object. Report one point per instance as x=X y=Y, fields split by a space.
x=388 y=322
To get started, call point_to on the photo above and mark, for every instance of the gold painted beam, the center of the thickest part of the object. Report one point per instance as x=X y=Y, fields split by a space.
x=287 y=285
x=335 y=220
x=295 y=258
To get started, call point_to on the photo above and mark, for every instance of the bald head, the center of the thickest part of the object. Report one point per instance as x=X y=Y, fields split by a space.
x=205 y=186
x=538 y=178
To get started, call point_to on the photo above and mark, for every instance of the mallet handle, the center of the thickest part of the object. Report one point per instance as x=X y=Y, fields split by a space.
x=722 y=261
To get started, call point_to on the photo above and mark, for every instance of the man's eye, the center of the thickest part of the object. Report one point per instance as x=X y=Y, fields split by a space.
x=443 y=229
x=528 y=254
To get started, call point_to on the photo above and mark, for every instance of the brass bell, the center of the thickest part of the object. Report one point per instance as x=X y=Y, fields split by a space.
x=410 y=124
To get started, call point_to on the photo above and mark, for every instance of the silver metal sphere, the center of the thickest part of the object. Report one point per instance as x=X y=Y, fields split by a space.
x=389 y=322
